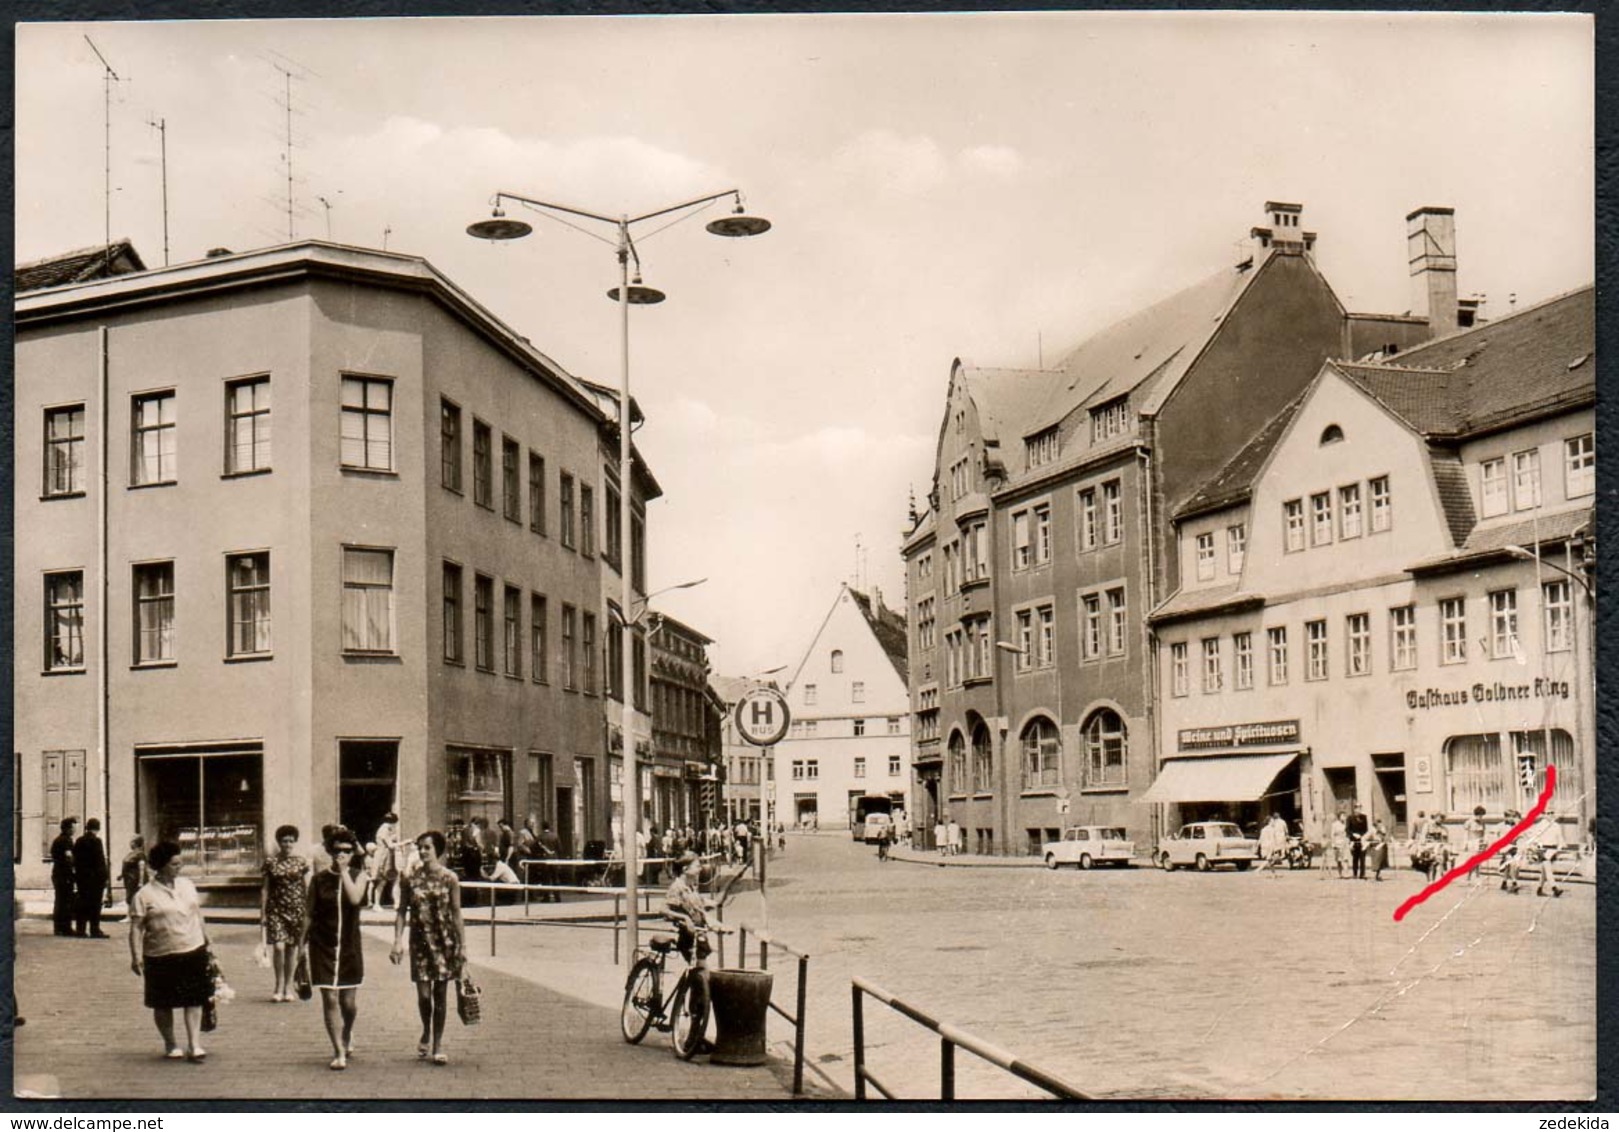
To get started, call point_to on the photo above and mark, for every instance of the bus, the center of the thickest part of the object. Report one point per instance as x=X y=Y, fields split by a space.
x=861 y=806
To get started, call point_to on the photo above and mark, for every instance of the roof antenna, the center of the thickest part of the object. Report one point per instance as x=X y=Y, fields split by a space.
x=387 y=230
x=109 y=77
x=161 y=125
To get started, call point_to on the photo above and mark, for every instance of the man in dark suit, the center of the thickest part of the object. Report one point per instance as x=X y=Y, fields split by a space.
x=62 y=877
x=550 y=848
x=1357 y=827
x=90 y=874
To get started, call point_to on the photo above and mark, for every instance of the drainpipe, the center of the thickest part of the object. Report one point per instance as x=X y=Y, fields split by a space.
x=1149 y=701
x=103 y=677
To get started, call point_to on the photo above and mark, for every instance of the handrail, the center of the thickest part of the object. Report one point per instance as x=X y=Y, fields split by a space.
x=795 y=1019
x=950 y=1037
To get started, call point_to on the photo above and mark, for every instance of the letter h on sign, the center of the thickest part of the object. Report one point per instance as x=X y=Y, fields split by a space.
x=763 y=713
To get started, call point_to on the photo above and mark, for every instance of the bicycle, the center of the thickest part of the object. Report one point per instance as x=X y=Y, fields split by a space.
x=684 y=1013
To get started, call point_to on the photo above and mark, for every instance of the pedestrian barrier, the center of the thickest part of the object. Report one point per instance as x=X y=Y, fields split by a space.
x=795 y=1019
x=950 y=1037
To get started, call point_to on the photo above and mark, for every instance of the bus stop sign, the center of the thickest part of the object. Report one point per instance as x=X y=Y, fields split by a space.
x=762 y=717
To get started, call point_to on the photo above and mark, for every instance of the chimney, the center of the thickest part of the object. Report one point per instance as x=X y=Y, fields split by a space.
x=1431 y=252
x=1281 y=229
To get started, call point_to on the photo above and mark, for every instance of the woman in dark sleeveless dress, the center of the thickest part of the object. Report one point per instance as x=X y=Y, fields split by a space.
x=332 y=937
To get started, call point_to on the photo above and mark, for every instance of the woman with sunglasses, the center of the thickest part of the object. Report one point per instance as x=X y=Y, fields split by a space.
x=332 y=938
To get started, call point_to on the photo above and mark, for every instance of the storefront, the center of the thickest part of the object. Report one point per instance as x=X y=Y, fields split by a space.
x=479 y=784
x=1242 y=772
x=209 y=798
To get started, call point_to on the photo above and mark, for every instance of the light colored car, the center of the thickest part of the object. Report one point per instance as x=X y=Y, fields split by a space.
x=1204 y=844
x=1087 y=845
x=878 y=827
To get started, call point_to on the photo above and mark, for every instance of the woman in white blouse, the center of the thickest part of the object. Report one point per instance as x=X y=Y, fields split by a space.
x=168 y=946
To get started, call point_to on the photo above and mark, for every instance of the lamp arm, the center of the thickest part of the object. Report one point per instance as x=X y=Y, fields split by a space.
x=532 y=202
x=711 y=197
x=503 y=195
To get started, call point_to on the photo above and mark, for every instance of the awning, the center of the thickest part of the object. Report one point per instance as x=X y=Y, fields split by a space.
x=1217 y=778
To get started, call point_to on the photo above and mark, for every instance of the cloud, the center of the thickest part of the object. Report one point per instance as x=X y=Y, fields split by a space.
x=903 y=165
x=999 y=161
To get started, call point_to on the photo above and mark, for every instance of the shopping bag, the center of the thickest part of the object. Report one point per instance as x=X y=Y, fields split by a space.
x=468 y=1001
x=261 y=955
x=300 y=978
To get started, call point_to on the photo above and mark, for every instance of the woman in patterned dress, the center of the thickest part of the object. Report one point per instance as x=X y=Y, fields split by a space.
x=281 y=908
x=332 y=937
x=430 y=898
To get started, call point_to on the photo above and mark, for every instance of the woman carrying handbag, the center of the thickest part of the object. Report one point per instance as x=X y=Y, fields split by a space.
x=430 y=903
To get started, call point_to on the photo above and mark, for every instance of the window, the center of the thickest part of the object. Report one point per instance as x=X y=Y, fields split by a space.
x=893 y=762
x=1041 y=752
x=811 y=694
x=1358 y=633
x=812 y=768
x=1025 y=640
x=587 y=649
x=536 y=493
x=512 y=654
x=983 y=760
x=483 y=622
x=1321 y=519
x=587 y=521
x=637 y=551
x=893 y=728
x=64 y=621
x=1276 y=638
x=452 y=614
x=1382 y=504
x=1475 y=774
x=367 y=424
x=1331 y=435
x=1579 y=466
x=538 y=629
x=567 y=510
x=1403 y=637
x=1115 y=621
x=247 y=425
x=798 y=768
x=1503 y=623
x=960 y=478
x=1092 y=627
x=857 y=691
x=1555 y=599
x=569 y=659
x=449 y=444
x=483 y=472
x=957 y=763
x=1213 y=666
x=1526 y=480
x=511 y=497
x=859 y=765
x=1087 y=519
x=612 y=530
x=152 y=444
x=1349 y=511
x=1106 y=744
x=1242 y=649
x=1453 y=626
x=1293 y=525
x=837 y=660
x=1112 y=512
x=247 y=579
x=1042 y=534
x=926 y=624
x=1570 y=782
x=1177 y=669
x=1046 y=642
x=1315 y=633
x=975 y=562
x=1205 y=556
x=154 y=612
x=1110 y=420
x=64 y=450
x=1022 y=548
x=1042 y=448
x=1493 y=487
x=1236 y=547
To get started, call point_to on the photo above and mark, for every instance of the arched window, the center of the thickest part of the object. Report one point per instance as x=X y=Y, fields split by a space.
x=983 y=760
x=1042 y=747
x=1107 y=747
x=958 y=764
x=837 y=660
x=1331 y=434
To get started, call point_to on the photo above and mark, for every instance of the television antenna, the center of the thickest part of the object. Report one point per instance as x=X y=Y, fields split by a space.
x=109 y=76
x=161 y=125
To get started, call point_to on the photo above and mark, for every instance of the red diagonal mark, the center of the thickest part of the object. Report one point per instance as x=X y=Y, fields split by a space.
x=1479 y=858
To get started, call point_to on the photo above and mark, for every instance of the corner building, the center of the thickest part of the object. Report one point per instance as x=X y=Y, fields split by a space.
x=310 y=536
x=1408 y=624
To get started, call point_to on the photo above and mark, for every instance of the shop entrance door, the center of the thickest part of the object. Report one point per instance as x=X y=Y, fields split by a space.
x=1340 y=790
x=1388 y=800
x=366 y=784
x=565 y=826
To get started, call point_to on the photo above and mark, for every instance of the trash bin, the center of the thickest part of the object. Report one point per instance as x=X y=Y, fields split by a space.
x=741 y=1002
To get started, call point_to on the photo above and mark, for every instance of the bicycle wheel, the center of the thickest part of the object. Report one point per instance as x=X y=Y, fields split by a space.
x=640 y=1000
x=689 y=1018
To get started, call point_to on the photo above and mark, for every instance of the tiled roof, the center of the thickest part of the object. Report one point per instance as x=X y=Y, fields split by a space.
x=1450 y=478
x=1146 y=351
x=1492 y=540
x=1187 y=603
x=1232 y=483
x=731 y=688
x=1006 y=399
x=99 y=262
x=1514 y=369
x=889 y=629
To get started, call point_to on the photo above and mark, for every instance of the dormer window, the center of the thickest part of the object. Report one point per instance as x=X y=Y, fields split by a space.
x=1042 y=447
x=1110 y=419
x=1332 y=434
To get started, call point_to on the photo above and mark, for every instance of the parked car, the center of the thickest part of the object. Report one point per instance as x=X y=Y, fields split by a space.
x=1204 y=844
x=1087 y=845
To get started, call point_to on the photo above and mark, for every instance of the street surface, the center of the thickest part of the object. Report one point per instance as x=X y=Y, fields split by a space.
x=1139 y=983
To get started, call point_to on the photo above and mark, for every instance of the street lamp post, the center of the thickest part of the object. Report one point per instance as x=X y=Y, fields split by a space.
x=737 y=223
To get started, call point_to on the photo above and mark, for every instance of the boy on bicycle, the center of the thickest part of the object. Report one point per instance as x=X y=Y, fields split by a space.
x=683 y=907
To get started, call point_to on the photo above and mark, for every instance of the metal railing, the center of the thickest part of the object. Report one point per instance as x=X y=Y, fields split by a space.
x=950 y=1037
x=796 y=1018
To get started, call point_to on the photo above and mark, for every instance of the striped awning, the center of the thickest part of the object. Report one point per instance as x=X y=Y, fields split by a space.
x=1217 y=778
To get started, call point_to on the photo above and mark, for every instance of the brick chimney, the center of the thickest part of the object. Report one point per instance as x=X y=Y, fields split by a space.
x=1282 y=230
x=1431 y=250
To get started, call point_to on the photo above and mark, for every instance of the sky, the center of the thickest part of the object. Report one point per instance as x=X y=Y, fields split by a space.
x=993 y=187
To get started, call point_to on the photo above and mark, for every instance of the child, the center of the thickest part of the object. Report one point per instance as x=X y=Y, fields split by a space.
x=373 y=868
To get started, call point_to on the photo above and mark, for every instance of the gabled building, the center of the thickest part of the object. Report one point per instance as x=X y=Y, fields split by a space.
x=1046 y=537
x=1409 y=612
x=850 y=731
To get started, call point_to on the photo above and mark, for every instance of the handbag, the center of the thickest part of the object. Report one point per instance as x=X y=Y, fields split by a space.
x=300 y=978
x=468 y=1001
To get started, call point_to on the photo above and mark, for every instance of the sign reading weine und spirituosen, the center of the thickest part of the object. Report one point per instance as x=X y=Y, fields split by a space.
x=1240 y=735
